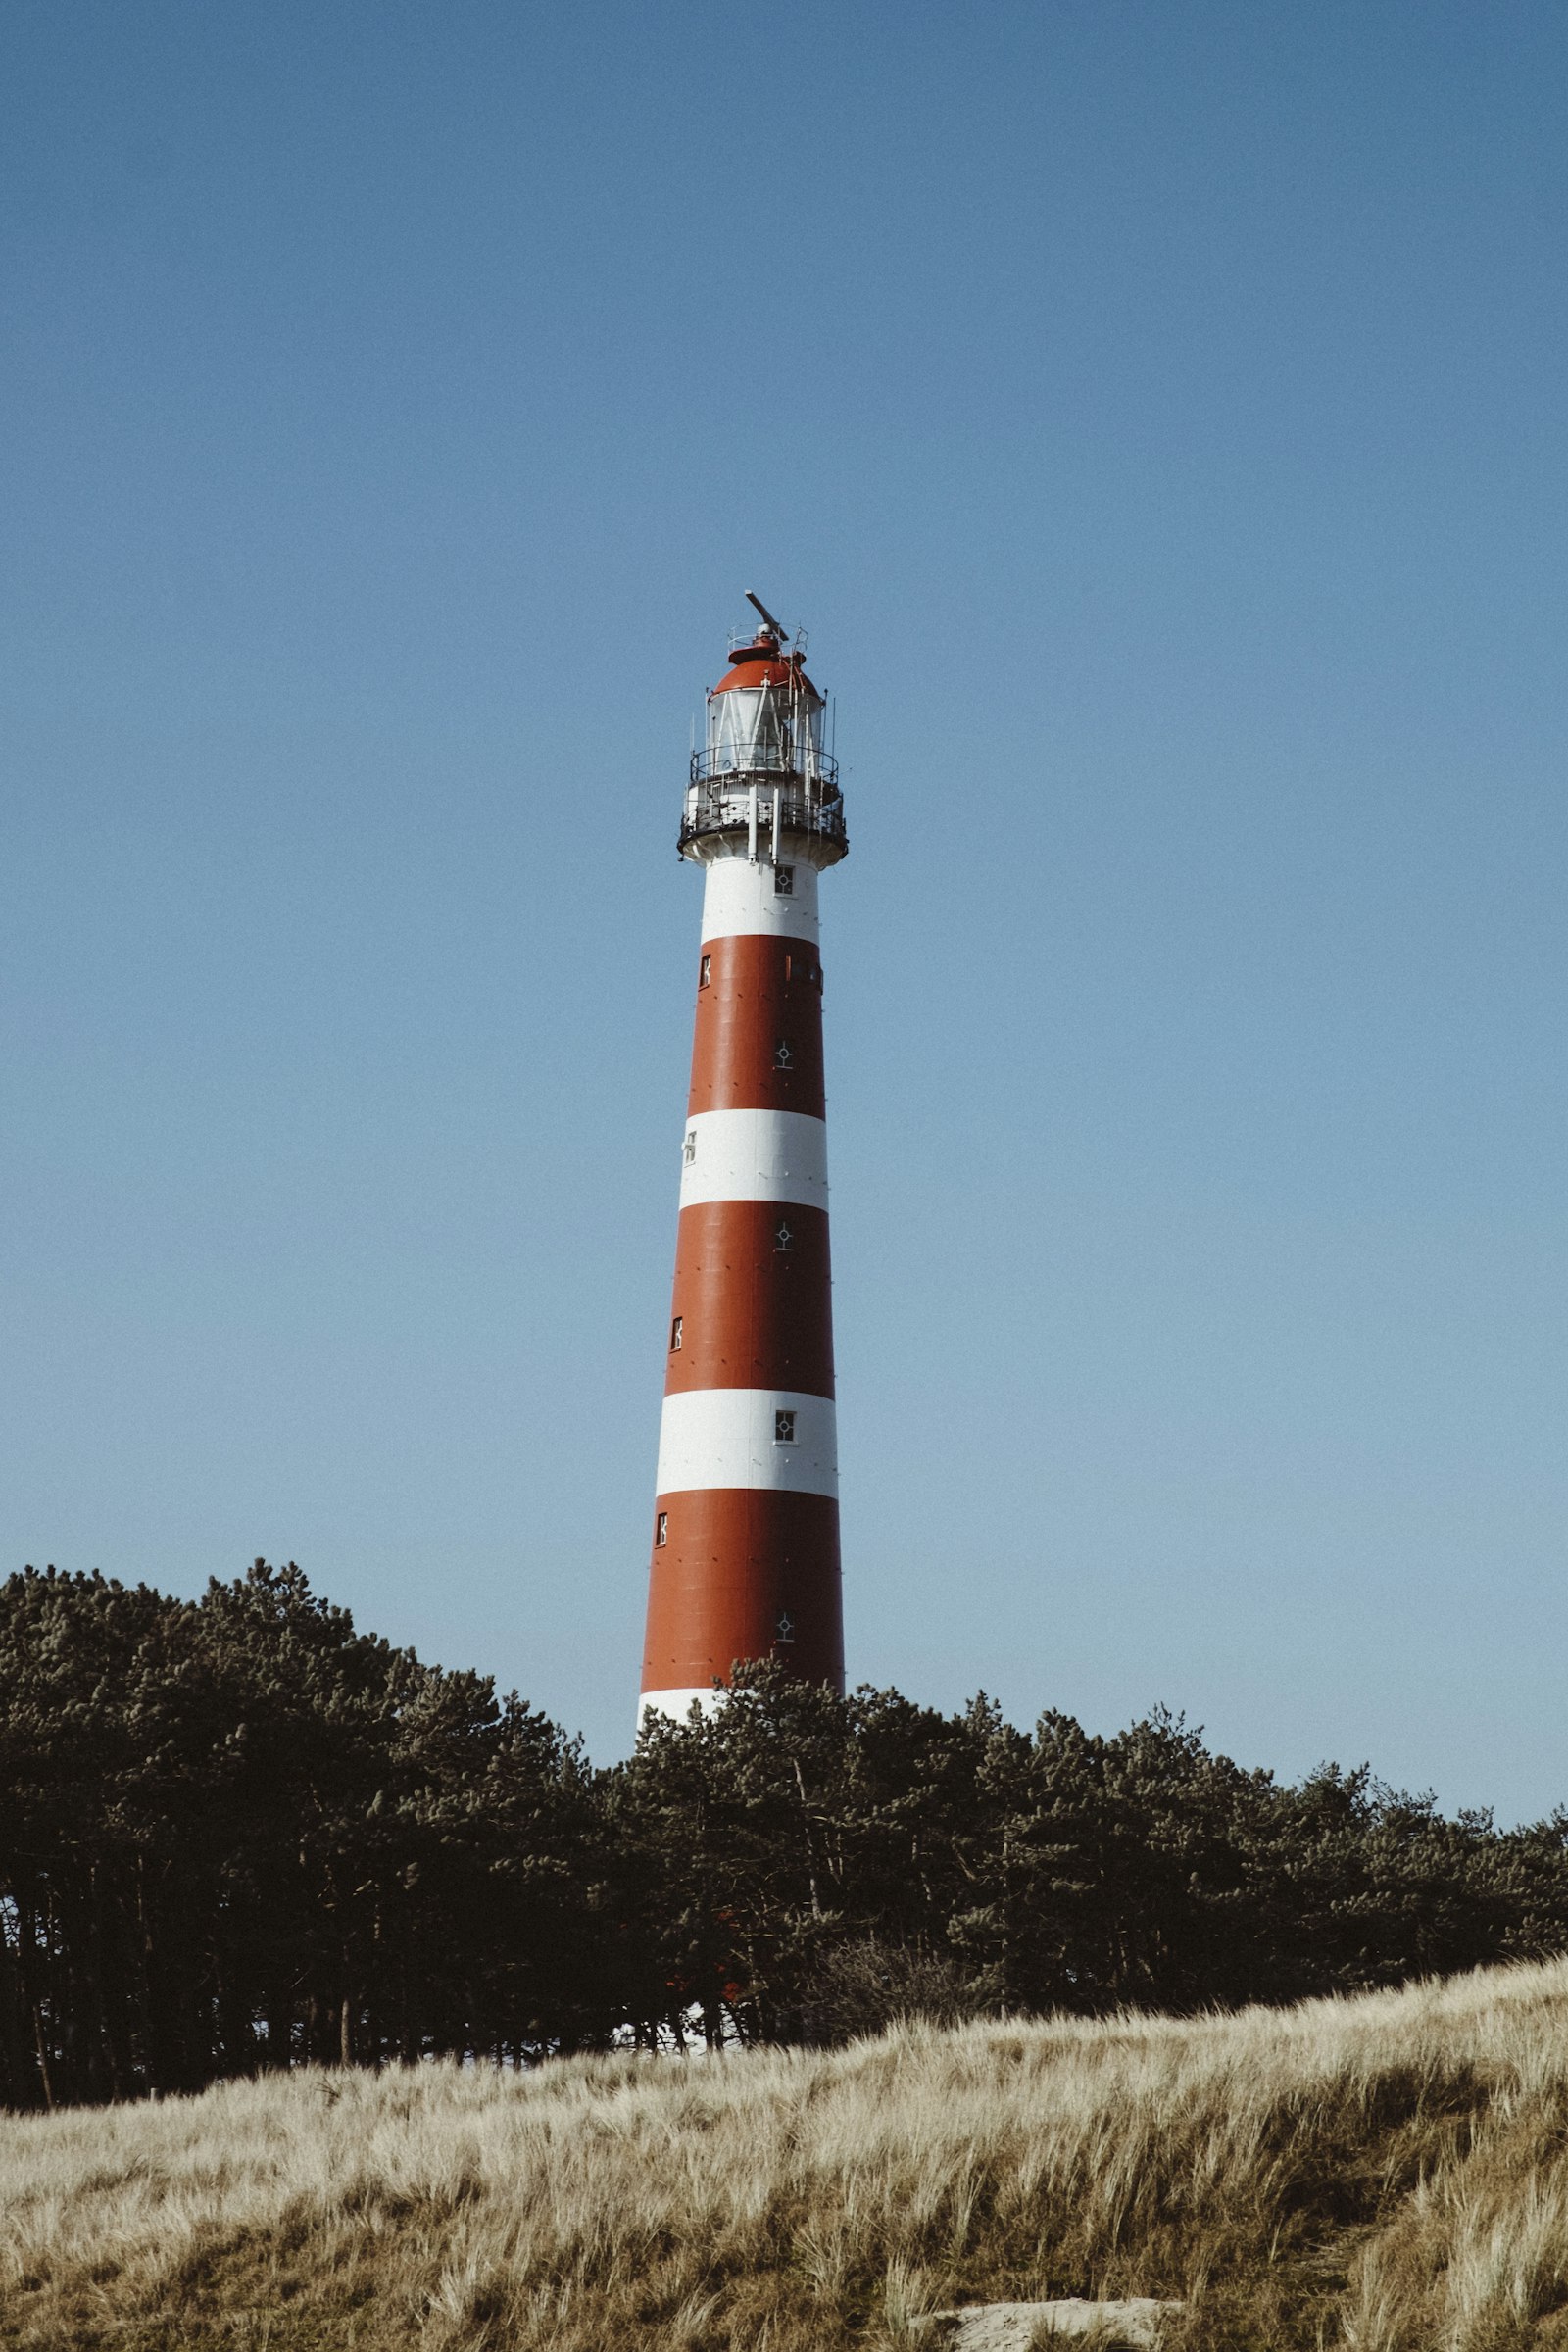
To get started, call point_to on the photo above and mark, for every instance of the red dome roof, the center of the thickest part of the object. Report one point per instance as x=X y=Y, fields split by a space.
x=762 y=663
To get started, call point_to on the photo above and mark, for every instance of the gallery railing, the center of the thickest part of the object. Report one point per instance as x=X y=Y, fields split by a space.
x=725 y=796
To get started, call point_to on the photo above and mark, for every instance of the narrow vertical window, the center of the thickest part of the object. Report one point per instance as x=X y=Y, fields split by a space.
x=704 y=971
x=784 y=881
x=690 y=1152
x=783 y=1428
x=675 y=1330
x=783 y=1238
x=783 y=1055
x=662 y=1527
x=784 y=1625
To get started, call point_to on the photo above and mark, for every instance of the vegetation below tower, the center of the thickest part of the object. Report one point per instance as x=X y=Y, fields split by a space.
x=238 y=1836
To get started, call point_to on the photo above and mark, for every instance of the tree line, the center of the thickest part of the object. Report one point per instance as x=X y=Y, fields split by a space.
x=238 y=1834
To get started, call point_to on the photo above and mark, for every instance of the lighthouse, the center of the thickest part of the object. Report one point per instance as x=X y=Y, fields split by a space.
x=745 y=1555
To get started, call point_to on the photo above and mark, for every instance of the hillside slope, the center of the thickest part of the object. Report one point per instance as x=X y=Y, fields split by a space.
x=1388 y=2172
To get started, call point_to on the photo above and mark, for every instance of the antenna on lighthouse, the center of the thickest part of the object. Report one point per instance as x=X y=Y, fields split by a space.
x=751 y=598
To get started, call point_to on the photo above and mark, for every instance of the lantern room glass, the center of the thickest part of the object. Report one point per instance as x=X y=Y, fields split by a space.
x=763 y=728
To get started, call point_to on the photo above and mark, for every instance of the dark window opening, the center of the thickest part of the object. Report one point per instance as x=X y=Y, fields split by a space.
x=675 y=1330
x=784 y=881
x=783 y=1055
x=784 y=1627
x=783 y=1428
x=662 y=1527
x=691 y=1144
x=705 y=971
x=783 y=1239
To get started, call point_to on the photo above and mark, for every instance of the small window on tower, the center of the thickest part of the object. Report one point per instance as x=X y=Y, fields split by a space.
x=783 y=1428
x=784 y=881
x=691 y=1146
x=675 y=1331
x=783 y=1238
x=704 y=971
x=783 y=1055
x=662 y=1527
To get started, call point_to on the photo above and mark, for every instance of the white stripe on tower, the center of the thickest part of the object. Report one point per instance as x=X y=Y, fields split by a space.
x=739 y=901
x=731 y=1437
x=754 y=1156
x=678 y=1704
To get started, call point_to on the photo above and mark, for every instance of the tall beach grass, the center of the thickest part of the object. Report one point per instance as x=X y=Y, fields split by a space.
x=1388 y=2173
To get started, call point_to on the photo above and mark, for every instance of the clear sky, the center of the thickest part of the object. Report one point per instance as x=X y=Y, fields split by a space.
x=1157 y=413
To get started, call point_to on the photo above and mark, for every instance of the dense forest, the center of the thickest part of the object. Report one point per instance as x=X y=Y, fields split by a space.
x=237 y=1833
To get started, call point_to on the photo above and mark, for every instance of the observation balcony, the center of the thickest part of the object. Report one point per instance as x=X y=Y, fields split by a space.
x=730 y=793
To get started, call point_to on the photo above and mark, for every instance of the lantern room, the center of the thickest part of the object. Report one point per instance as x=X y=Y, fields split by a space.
x=766 y=713
x=762 y=772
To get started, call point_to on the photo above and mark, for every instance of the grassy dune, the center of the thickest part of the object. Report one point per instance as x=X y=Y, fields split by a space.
x=1388 y=2172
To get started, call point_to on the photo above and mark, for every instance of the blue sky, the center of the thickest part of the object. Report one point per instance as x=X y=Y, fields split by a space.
x=1157 y=413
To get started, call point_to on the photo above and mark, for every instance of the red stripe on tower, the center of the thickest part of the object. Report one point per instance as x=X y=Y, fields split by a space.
x=746 y=1519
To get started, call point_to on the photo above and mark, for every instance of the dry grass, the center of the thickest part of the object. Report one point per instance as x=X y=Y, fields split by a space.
x=1388 y=2173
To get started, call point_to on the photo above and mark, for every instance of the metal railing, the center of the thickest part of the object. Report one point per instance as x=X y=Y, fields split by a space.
x=770 y=760
x=741 y=800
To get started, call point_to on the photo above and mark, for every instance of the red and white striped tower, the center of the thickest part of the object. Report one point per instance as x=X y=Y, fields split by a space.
x=746 y=1521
